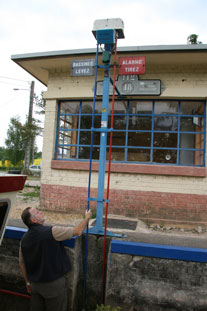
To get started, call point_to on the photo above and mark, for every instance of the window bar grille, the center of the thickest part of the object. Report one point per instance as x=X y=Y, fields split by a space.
x=152 y=133
x=57 y=131
x=204 y=142
x=59 y=148
x=178 y=136
x=79 y=124
x=126 y=137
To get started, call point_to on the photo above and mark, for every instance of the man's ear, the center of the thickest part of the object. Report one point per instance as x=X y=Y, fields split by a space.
x=33 y=220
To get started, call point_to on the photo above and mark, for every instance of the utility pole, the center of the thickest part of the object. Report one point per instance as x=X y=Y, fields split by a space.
x=29 y=140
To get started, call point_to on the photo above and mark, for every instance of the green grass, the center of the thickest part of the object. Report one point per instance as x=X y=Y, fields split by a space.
x=34 y=194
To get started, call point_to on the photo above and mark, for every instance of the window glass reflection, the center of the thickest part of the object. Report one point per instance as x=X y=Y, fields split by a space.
x=117 y=154
x=68 y=122
x=69 y=107
x=141 y=128
x=166 y=123
x=194 y=108
x=119 y=107
x=139 y=139
x=119 y=122
x=140 y=107
x=165 y=140
x=166 y=107
x=65 y=137
x=138 y=155
x=165 y=156
x=187 y=157
x=191 y=124
x=118 y=139
x=86 y=122
x=85 y=138
x=66 y=152
x=140 y=123
x=84 y=153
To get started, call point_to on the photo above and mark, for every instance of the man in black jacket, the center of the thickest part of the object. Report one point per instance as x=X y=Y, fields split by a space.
x=43 y=260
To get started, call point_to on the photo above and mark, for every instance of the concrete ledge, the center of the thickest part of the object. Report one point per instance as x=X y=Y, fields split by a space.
x=147 y=169
x=159 y=251
x=17 y=233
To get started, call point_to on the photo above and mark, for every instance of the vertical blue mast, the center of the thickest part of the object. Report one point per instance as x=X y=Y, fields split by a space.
x=102 y=154
x=105 y=32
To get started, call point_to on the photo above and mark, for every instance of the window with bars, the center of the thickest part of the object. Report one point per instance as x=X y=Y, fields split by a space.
x=145 y=131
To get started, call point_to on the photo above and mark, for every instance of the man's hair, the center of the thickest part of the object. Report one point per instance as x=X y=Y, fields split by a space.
x=26 y=216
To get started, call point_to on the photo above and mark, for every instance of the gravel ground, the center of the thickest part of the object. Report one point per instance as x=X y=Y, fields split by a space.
x=22 y=201
x=51 y=217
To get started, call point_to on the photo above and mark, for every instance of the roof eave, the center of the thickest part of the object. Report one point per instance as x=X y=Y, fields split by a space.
x=148 y=48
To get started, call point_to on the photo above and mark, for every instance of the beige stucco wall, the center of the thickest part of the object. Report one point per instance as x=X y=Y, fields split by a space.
x=179 y=82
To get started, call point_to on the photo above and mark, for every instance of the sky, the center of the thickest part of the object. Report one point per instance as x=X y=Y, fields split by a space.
x=53 y=25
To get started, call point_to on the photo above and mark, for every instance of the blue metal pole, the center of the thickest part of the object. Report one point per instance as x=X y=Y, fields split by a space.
x=102 y=154
x=108 y=40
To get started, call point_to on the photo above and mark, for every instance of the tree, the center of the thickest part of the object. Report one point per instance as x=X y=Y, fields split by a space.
x=193 y=39
x=37 y=154
x=30 y=130
x=17 y=136
x=2 y=154
x=14 y=142
x=40 y=104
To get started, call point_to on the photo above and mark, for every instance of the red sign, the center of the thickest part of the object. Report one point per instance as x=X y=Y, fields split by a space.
x=132 y=65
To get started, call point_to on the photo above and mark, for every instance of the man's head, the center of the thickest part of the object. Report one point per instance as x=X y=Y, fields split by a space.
x=32 y=215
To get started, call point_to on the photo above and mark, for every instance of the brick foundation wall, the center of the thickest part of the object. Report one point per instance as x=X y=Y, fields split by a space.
x=162 y=206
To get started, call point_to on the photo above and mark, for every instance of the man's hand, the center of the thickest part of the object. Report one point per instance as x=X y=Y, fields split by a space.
x=88 y=214
x=80 y=227
x=28 y=286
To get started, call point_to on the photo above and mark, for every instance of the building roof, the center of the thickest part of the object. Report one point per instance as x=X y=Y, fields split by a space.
x=39 y=64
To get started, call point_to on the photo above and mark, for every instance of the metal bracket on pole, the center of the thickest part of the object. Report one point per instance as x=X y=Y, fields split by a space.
x=101 y=231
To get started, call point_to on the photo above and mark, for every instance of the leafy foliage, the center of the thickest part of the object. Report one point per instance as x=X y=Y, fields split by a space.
x=2 y=154
x=35 y=192
x=193 y=39
x=17 y=136
x=14 y=141
x=30 y=129
x=39 y=102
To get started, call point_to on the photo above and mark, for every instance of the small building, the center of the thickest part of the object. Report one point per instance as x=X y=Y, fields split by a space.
x=158 y=170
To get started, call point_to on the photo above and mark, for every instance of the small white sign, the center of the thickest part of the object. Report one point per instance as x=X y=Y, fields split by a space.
x=103 y=123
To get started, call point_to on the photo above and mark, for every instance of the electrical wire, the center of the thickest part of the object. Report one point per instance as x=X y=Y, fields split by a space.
x=14 y=79
x=15 y=84
x=10 y=100
x=109 y=173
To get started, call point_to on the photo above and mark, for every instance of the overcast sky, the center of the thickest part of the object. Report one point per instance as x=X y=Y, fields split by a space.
x=28 y=26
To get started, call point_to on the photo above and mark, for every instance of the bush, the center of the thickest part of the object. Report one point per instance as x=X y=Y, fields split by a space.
x=35 y=193
x=3 y=168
